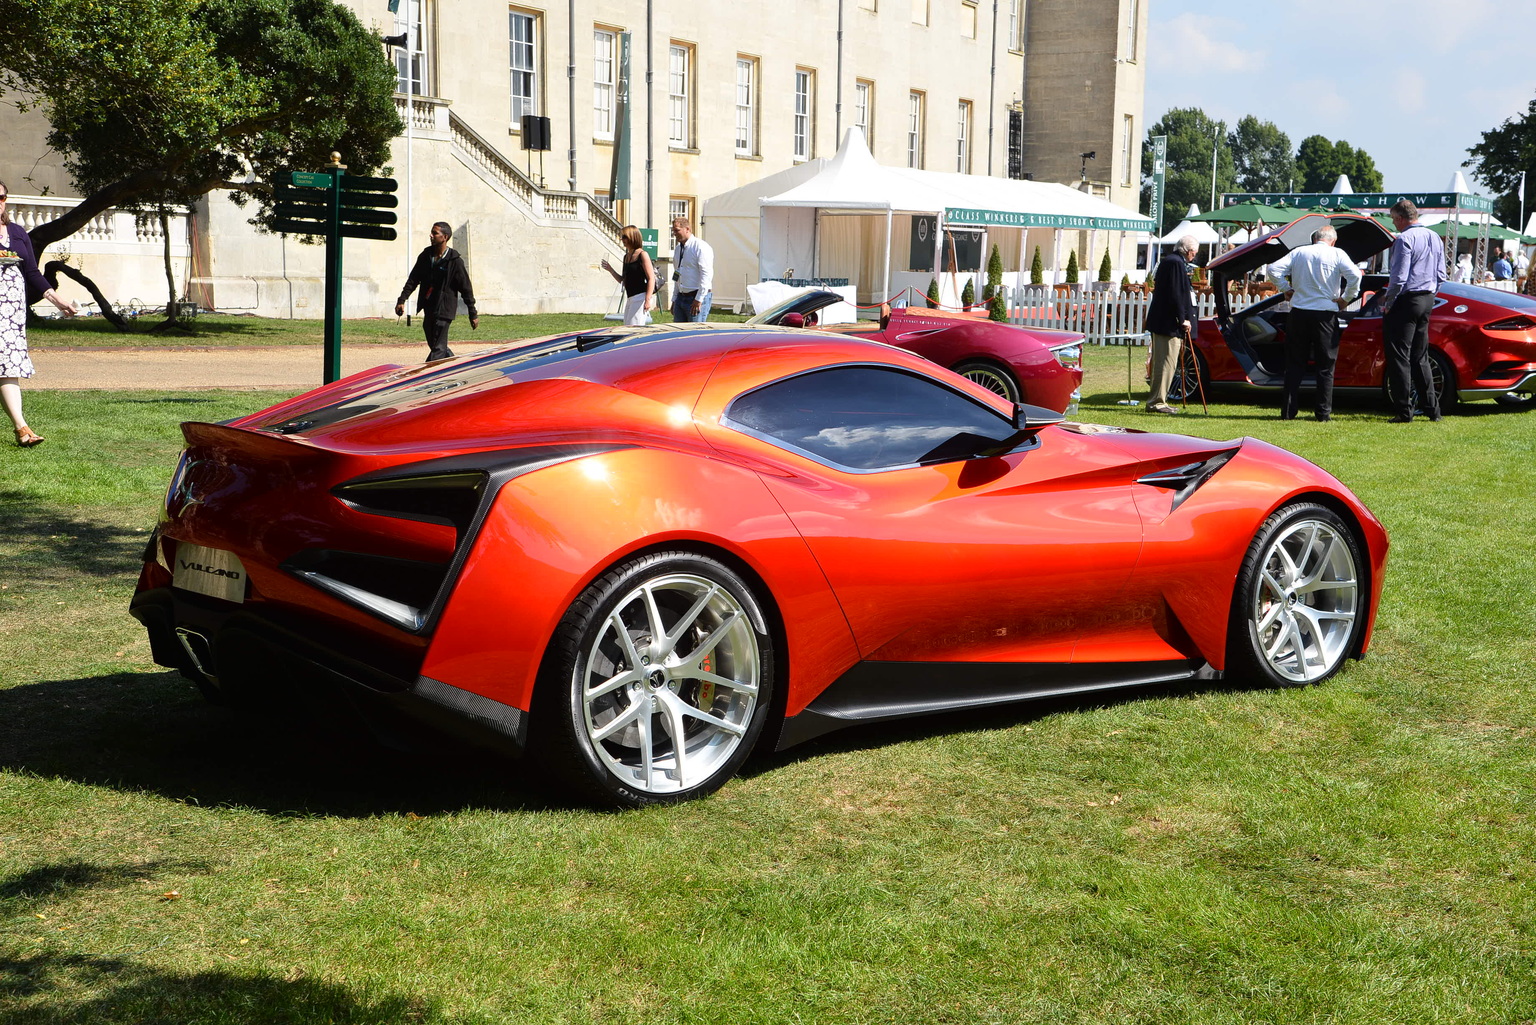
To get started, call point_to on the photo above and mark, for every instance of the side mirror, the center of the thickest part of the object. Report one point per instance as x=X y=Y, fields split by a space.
x=792 y=320
x=1034 y=419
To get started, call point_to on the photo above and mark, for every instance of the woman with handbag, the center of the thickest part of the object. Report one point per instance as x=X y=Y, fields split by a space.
x=638 y=278
x=18 y=272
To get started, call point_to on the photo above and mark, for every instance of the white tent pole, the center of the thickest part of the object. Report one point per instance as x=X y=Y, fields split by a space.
x=938 y=253
x=885 y=288
x=1056 y=257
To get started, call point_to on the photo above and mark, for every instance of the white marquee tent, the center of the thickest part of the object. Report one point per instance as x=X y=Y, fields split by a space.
x=839 y=218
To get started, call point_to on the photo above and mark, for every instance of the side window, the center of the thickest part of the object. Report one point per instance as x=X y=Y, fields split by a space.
x=869 y=418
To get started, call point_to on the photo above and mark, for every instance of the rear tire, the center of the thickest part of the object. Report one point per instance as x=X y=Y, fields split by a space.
x=1191 y=380
x=657 y=684
x=1300 y=602
x=991 y=377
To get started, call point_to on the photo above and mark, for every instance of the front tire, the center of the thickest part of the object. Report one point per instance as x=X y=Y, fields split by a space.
x=991 y=377
x=657 y=685
x=1300 y=602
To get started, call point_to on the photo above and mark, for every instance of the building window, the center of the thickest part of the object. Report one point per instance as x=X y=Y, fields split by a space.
x=867 y=5
x=411 y=59
x=680 y=96
x=864 y=109
x=605 y=68
x=963 y=134
x=746 y=106
x=1130 y=29
x=1015 y=25
x=919 y=12
x=524 y=29
x=605 y=200
x=805 y=121
x=967 y=19
x=1127 y=148
x=681 y=206
x=915 y=130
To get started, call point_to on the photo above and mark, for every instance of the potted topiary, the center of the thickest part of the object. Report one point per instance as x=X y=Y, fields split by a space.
x=968 y=295
x=1036 y=269
x=994 y=275
x=1072 y=271
x=933 y=293
x=1105 y=271
x=998 y=308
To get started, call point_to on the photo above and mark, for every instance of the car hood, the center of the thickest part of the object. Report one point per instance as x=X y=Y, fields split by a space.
x=1360 y=236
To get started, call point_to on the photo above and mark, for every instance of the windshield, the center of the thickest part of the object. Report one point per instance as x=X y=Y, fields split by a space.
x=800 y=302
x=1509 y=300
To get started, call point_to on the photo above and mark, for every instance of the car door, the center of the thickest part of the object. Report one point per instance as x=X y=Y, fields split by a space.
x=935 y=553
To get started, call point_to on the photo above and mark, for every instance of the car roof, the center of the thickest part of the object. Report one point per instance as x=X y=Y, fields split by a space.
x=1360 y=236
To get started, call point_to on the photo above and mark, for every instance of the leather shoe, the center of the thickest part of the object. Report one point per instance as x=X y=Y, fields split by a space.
x=1401 y=419
x=1322 y=418
x=1161 y=407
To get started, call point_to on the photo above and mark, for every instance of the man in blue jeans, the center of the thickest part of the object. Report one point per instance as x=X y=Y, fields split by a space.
x=693 y=274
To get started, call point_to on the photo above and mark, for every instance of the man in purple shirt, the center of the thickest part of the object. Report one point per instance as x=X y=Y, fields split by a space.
x=1418 y=268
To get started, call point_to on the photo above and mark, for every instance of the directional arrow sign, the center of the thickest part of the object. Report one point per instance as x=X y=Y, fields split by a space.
x=293 y=227
x=354 y=181
x=304 y=179
x=368 y=231
x=369 y=199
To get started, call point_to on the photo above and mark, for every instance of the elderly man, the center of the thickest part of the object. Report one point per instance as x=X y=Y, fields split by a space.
x=1418 y=268
x=693 y=274
x=1170 y=317
x=1319 y=280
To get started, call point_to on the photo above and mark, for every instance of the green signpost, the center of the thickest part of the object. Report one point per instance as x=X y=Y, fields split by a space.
x=335 y=205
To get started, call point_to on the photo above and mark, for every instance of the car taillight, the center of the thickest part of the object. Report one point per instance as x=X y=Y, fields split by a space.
x=1511 y=324
x=1070 y=355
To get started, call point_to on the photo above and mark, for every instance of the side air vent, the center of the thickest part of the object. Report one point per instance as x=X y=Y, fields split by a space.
x=1185 y=480
x=399 y=591
x=1511 y=324
x=449 y=498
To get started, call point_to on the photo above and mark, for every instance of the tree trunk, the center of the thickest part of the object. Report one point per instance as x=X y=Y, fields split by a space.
x=172 y=308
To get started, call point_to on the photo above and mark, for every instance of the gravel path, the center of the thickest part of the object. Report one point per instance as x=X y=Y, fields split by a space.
x=290 y=368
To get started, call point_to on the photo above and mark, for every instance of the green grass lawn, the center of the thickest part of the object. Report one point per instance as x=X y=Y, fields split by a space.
x=216 y=329
x=1355 y=852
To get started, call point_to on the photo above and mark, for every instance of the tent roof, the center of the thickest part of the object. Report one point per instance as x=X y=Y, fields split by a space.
x=852 y=180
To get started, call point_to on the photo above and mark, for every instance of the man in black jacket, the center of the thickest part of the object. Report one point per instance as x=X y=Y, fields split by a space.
x=1170 y=315
x=443 y=278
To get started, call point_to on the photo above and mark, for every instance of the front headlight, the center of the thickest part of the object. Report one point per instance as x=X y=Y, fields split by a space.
x=1069 y=355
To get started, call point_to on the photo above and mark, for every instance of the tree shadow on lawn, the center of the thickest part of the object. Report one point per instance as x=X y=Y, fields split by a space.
x=48 y=988
x=152 y=732
x=47 y=543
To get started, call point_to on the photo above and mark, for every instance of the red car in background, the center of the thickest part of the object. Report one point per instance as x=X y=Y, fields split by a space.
x=634 y=556
x=1034 y=365
x=1482 y=342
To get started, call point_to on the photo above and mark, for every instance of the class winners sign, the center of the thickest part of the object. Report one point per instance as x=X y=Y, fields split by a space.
x=1022 y=219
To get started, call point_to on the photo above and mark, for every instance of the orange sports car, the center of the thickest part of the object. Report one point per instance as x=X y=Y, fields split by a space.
x=636 y=555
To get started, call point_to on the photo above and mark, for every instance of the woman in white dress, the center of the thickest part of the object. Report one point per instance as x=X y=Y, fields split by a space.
x=638 y=279
x=18 y=269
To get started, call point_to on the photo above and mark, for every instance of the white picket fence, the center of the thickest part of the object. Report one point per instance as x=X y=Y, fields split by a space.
x=1106 y=318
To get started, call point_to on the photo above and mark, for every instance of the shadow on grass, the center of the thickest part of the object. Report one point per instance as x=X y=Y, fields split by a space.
x=62 y=880
x=52 y=989
x=152 y=732
x=48 y=543
x=870 y=736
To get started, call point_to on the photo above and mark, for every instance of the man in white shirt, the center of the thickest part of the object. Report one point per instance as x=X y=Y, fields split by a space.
x=693 y=274
x=1320 y=280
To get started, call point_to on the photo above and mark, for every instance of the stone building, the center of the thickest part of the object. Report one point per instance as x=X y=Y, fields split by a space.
x=719 y=96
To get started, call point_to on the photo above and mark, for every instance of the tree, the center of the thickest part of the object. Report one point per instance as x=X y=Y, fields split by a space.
x=1320 y=162
x=1072 y=270
x=997 y=309
x=968 y=294
x=1191 y=137
x=1105 y=269
x=1036 y=269
x=933 y=293
x=1499 y=160
x=1261 y=156
x=162 y=101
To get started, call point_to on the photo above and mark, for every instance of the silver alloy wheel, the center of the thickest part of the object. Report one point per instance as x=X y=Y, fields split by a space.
x=670 y=683
x=991 y=378
x=1306 y=600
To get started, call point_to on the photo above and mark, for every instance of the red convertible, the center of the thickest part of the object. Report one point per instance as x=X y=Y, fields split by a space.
x=1034 y=365
x=1482 y=342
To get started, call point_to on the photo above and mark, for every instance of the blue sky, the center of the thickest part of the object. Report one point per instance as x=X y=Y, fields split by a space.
x=1413 y=82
